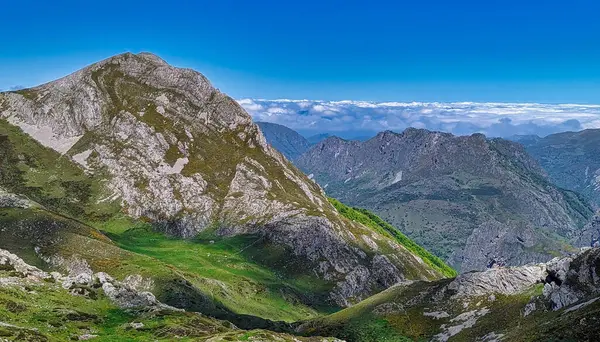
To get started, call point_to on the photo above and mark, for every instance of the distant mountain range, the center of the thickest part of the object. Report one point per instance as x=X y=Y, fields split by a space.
x=291 y=143
x=474 y=201
x=571 y=159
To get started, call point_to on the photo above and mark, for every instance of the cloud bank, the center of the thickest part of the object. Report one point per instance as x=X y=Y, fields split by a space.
x=351 y=119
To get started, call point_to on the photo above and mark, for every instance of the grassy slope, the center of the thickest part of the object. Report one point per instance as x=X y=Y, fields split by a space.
x=397 y=315
x=224 y=277
x=240 y=284
x=220 y=279
x=230 y=271
x=44 y=176
x=46 y=312
x=377 y=224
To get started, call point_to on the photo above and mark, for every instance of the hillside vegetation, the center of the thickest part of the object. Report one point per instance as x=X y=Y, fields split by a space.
x=373 y=221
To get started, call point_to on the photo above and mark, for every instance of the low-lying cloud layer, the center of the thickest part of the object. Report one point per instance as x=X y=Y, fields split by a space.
x=359 y=118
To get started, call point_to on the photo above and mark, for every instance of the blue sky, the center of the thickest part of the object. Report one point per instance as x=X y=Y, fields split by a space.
x=505 y=51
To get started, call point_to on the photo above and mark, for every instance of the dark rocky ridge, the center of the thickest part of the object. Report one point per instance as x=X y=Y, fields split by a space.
x=476 y=202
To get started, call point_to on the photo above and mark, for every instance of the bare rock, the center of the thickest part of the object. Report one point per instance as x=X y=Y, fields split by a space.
x=10 y=200
x=572 y=279
x=503 y=280
x=87 y=337
x=11 y=262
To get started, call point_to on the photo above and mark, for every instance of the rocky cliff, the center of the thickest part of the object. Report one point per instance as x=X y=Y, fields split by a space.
x=474 y=201
x=135 y=135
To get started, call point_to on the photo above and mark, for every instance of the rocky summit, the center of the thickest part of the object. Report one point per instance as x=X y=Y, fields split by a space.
x=473 y=201
x=134 y=136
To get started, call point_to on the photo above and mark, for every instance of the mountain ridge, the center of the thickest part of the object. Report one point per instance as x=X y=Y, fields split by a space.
x=570 y=159
x=433 y=178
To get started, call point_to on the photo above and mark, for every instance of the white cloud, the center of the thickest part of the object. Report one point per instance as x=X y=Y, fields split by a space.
x=277 y=110
x=250 y=105
x=329 y=109
x=493 y=119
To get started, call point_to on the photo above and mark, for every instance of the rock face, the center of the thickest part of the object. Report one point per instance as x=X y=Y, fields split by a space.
x=571 y=280
x=82 y=281
x=161 y=144
x=503 y=280
x=499 y=304
x=474 y=201
x=285 y=140
x=12 y=263
x=571 y=159
x=566 y=281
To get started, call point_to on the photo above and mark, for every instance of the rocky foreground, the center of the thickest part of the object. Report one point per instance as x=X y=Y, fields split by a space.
x=82 y=305
x=529 y=303
x=553 y=301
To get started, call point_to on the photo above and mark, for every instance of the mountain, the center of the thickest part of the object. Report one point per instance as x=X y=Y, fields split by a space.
x=473 y=201
x=143 y=155
x=571 y=159
x=525 y=139
x=285 y=140
x=557 y=301
x=317 y=138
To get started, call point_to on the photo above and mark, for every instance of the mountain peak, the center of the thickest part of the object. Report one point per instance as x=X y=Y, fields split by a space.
x=166 y=147
x=146 y=57
x=386 y=134
x=334 y=138
x=126 y=83
x=148 y=67
x=153 y=57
